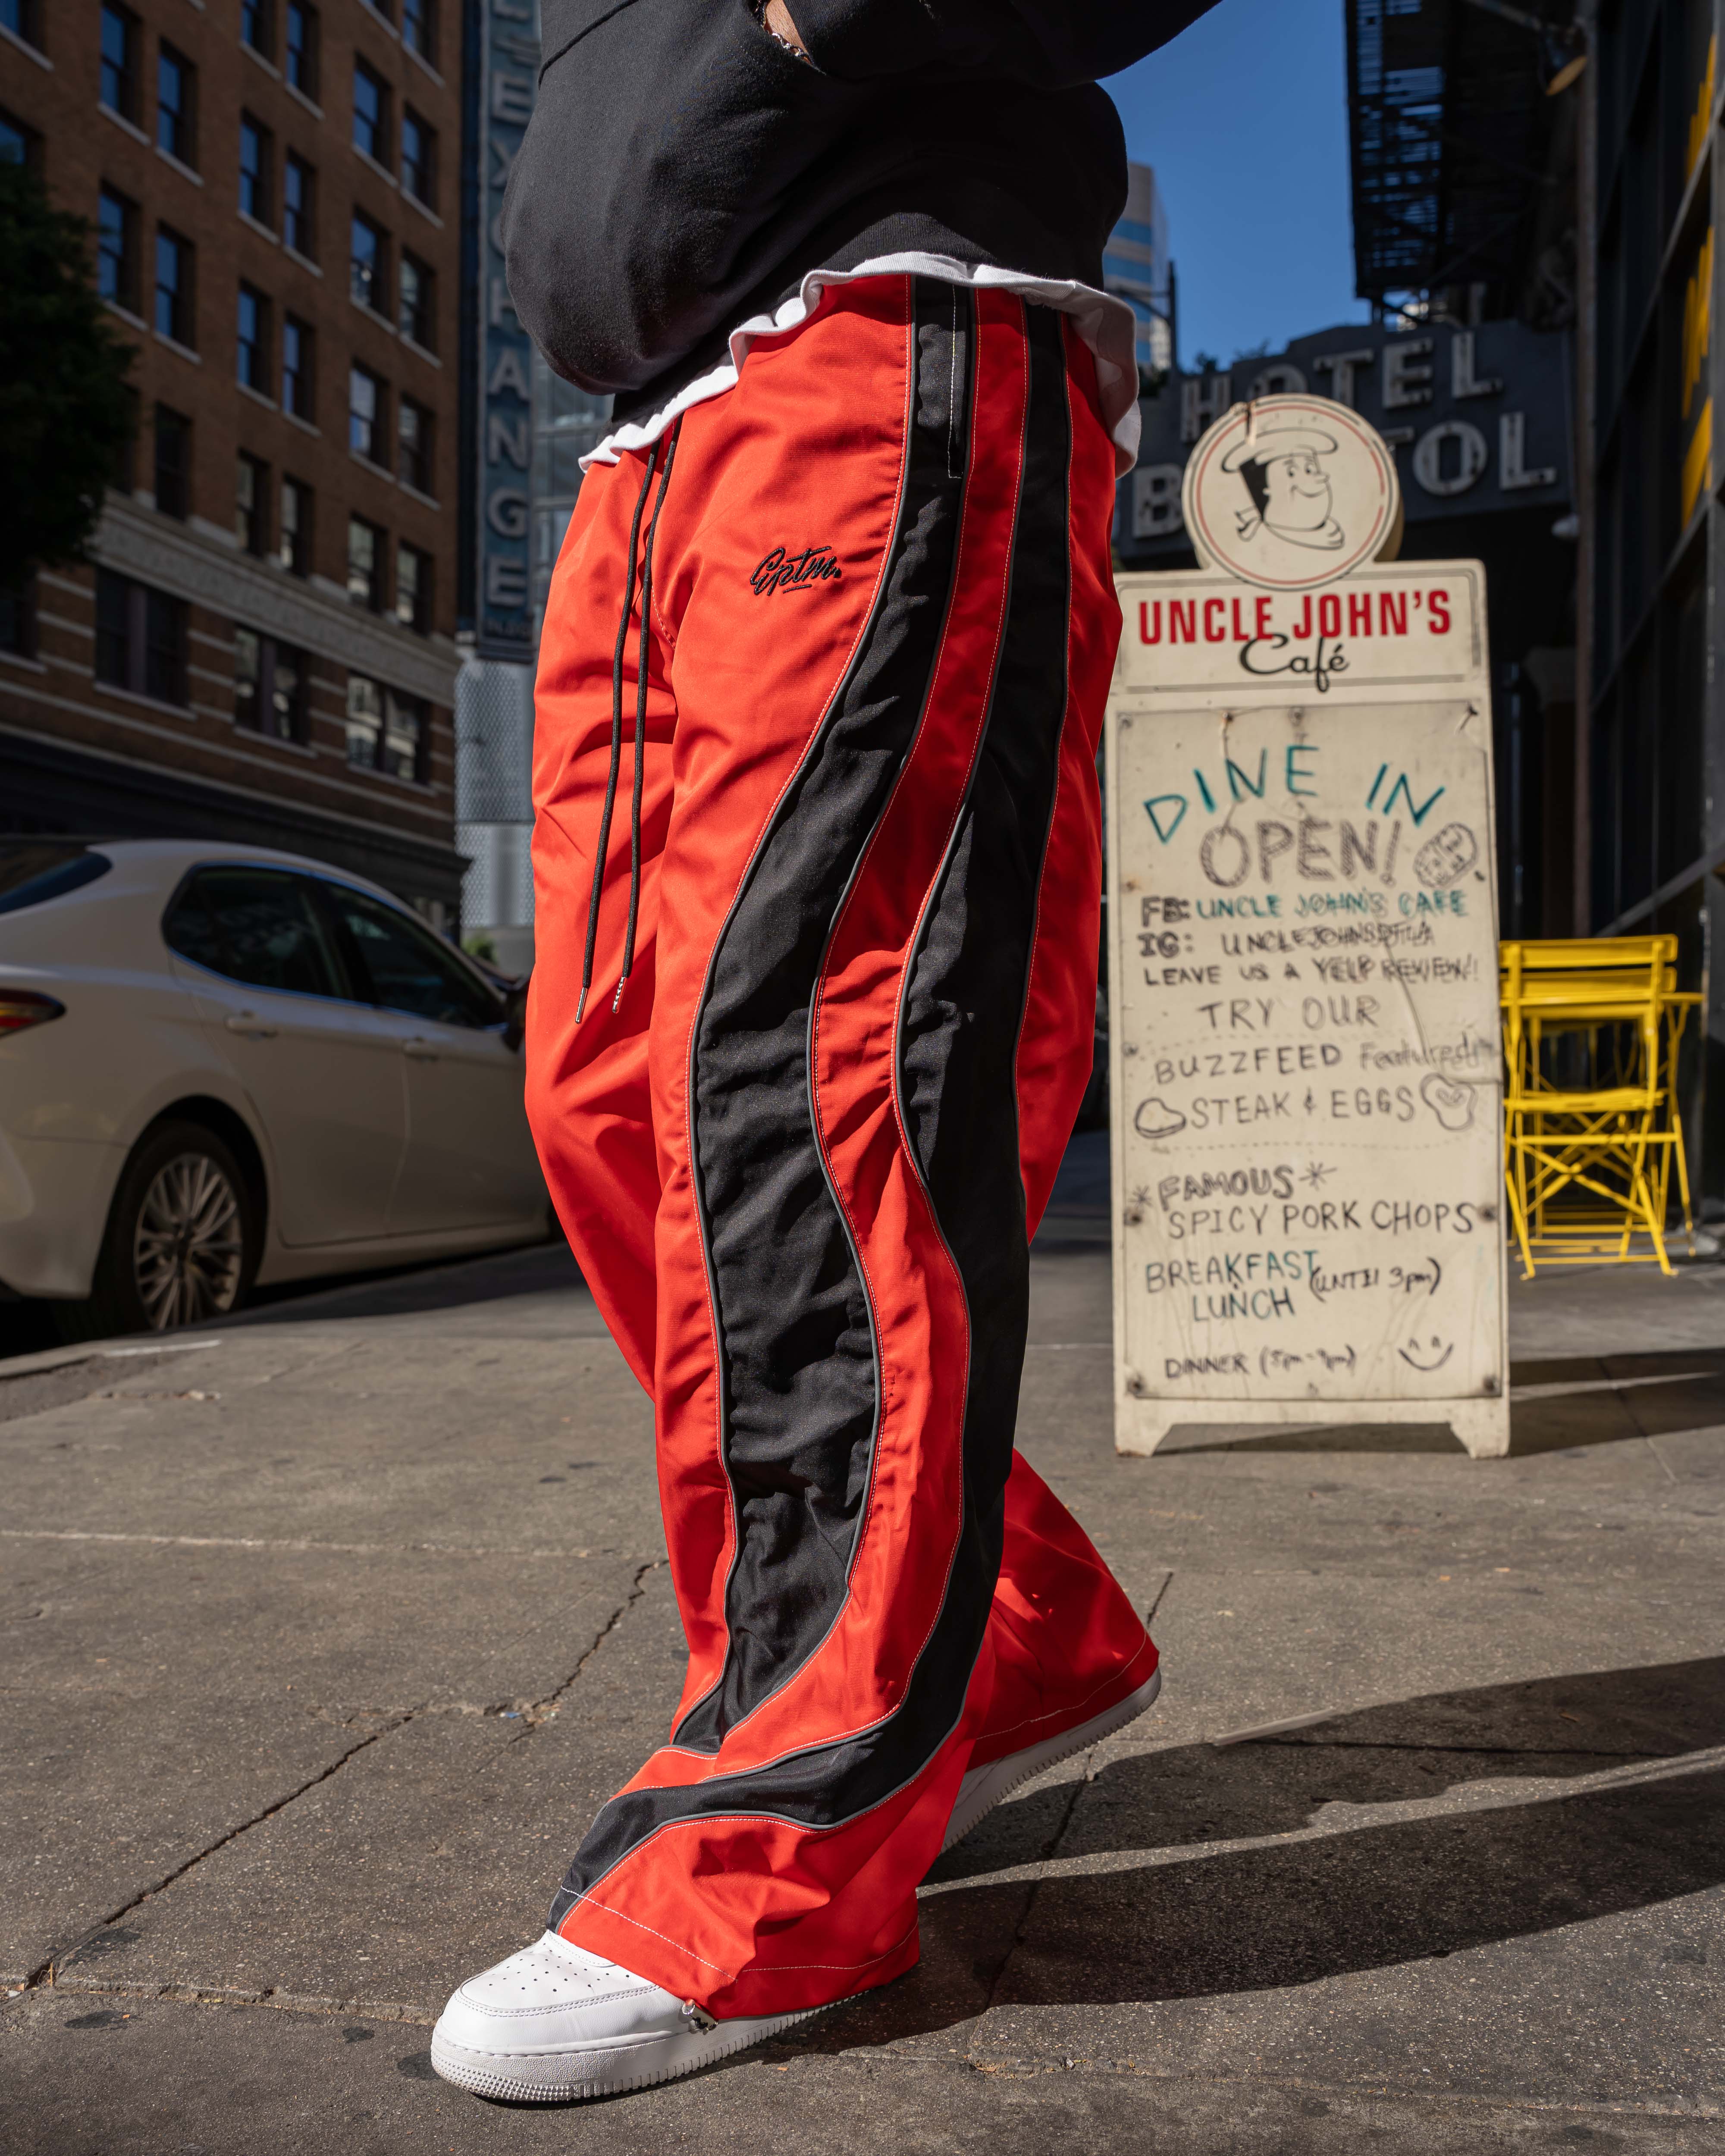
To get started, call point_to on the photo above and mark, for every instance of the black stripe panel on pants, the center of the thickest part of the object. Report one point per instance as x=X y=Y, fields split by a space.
x=963 y=1011
x=796 y=1355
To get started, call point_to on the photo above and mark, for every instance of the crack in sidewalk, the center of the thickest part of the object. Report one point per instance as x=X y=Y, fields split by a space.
x=47 y=1972
x=548 y=1709
x=293 y=1543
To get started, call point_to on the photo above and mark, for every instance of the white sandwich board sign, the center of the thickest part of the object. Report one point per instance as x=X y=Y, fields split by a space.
x=1306 y=1071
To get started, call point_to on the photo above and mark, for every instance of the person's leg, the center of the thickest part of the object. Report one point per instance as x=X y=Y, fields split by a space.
x=1064 y=1641
x=1068 y=1646
x=588 y=1097
x=867 y=767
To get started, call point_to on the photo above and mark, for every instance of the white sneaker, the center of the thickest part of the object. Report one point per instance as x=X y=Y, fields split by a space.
x=984 y=1787
x=556 y=2024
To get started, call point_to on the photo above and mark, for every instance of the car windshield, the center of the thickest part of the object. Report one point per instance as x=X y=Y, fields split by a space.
x=33 y=870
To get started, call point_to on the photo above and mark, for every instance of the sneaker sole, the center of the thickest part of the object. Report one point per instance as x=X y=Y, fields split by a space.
x=577 y=2077
x=985 y=1787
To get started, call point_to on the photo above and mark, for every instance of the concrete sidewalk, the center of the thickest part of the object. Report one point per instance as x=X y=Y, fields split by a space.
x=324 y=1641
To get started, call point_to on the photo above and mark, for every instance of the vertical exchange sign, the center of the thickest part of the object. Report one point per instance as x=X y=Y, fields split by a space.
x=509 y=68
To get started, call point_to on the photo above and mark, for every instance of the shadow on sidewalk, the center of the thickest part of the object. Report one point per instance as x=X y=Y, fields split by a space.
x=1556 y=1405
x=1552 y=1728
x=545 y=1268
x=1359 y=1897
x=1264 y=1919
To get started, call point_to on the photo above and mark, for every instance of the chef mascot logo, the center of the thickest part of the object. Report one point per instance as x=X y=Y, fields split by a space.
x=1290 y=492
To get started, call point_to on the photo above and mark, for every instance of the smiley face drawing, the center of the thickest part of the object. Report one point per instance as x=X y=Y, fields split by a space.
x=1290 y=489
x=1450 y=1103
x=1427 y=1355
x=1446 y=857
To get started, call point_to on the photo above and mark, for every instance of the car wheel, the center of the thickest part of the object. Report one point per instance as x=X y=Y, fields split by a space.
x=181 y=1242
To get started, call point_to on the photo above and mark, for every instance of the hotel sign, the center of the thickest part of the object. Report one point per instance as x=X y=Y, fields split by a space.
x=1474 y=418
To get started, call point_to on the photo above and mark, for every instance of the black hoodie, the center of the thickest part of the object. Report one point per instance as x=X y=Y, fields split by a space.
x=683 y=170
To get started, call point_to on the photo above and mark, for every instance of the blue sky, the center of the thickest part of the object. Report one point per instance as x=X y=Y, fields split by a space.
x=1245 y=118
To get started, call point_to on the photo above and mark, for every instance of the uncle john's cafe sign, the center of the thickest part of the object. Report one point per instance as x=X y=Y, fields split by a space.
x=1292 y=504
x=1388 y=628
x=1476 y=419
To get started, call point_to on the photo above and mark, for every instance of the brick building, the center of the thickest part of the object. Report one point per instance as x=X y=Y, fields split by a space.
x=264 y=647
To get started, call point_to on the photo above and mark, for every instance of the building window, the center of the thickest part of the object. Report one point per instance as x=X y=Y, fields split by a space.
x=18 y=145
x=119 y=60
x=365 y=564
x=387 y=730
x=415 y=317
x=17 y=619
x=407 y=736
x=368 y=261
x=366 y=400
x=117 y=248
x=23 y=18
x=290 y=679
x=173 y=286
x=419 y=27
x=176 y=105
x=302 y=48
x=298 y=185
x=140 y=639
x=270 y=681
x=256 y=157
x=365 y=722
x=371 y=113
x=257 y=25
x=113 y=629
x=297 y=355
x=248 y=679
x=252 y=351
x=413 y=588
x=124 y=477
x=412 y=462
x=251 y=504
x=418 y=158
x=173 y=463
x=293 y=550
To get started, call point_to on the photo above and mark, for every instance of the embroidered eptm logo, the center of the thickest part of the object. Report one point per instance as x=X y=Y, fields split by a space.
x=787 y=573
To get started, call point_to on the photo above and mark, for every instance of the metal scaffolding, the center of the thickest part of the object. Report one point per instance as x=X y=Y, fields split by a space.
x=1452 y=137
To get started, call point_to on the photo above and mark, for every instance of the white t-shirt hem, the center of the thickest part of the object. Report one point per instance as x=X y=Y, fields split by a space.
x=1107 y=325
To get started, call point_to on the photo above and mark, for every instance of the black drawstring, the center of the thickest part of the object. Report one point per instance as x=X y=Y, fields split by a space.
x=598 y=866
x=634 y=815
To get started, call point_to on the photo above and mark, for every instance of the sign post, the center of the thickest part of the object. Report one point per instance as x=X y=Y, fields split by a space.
x=1306 y=1069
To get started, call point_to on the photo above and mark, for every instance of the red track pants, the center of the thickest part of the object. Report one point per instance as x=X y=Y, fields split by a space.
x=800 y=1159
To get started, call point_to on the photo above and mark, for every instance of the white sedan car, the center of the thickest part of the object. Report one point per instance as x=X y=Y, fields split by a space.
x=220 y=1066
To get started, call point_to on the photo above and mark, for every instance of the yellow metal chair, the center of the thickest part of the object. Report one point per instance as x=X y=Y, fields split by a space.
x=1589 y=1167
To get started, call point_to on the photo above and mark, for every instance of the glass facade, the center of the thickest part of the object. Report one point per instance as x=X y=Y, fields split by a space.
x=1136 y=267
x=567 y=422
